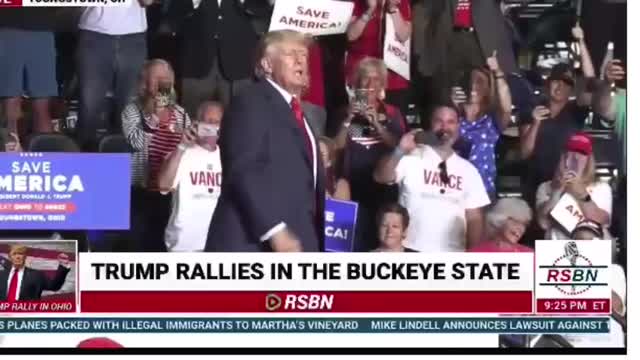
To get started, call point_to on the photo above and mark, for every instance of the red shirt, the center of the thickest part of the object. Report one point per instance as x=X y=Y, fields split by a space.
x=164 y=140
x=463 y=17
x=492 y=246
x=371 y=41
x=315 y=93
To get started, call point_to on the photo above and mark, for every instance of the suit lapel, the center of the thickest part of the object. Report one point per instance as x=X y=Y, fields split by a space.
x=287 y=118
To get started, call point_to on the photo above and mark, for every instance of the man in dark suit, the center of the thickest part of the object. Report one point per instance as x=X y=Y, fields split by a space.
x=21 y=283
x=216 y=41
x=461 y=35
x=272 y=189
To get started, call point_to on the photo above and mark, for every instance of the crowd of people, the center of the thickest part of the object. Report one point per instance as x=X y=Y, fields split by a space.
x=428 y=189
x=451 y=165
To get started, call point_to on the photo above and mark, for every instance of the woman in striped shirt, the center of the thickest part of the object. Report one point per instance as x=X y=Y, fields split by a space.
x=153 y=124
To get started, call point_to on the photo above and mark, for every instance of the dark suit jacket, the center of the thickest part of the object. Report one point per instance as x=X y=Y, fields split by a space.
x=268 y=176
x=34 y=282
x=225 y=32
x=490 y=26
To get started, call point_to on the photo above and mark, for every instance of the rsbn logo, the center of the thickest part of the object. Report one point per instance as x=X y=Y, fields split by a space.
x=573 y=273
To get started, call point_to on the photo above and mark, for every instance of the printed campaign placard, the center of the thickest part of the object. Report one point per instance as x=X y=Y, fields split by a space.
x=397 y=54
x=318 y=17
x=567 y=213
x=340 y=225
x=57 y=191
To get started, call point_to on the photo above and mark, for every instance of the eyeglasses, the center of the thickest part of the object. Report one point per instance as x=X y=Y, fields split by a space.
x=444 y=175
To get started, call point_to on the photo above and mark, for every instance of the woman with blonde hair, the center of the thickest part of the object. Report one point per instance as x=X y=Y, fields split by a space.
x=153 y=124
x=371 y=130
x=365 y=36
x=574 y=177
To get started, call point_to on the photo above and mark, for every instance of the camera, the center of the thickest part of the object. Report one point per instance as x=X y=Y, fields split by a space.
x=165 y=94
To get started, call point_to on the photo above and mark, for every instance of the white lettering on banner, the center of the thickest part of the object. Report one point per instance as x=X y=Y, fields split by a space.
x=35 y=176
x=326 y=17
x=330 y=231
x=396 y=53
x=329 y=216
x=307 y=272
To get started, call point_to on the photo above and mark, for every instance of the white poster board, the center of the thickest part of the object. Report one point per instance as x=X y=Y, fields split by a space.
x=567 y=213
x=317 y=17
x=397 y=54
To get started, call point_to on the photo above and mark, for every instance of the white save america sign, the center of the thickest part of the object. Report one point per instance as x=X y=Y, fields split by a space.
x=397 y=54
x=317 y=17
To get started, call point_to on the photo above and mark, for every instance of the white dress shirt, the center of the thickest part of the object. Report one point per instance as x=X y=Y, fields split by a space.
x=287 y=97
x=20 y=274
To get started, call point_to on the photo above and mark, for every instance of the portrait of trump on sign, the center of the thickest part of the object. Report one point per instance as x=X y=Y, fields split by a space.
x=37 y=270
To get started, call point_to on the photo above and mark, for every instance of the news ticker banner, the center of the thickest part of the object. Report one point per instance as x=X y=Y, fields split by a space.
x=64 y=3
x=303 y=282
x=58 y=191
x=449 y=325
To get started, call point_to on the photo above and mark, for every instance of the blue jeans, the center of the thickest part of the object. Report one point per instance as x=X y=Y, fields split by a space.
x=106 y=62
x=28 y=63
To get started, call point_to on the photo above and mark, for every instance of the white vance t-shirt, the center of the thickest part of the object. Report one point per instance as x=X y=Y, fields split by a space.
x=600 y=193
x=437 y=211
x=196 y=189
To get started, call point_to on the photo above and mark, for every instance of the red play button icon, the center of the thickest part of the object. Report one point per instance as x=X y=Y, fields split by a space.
x=273 y=302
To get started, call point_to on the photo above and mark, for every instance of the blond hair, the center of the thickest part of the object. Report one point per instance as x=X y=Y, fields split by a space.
x=18 y=249
x=363 y=67
x=588 y=176
x=146 y=70
x=274 y=38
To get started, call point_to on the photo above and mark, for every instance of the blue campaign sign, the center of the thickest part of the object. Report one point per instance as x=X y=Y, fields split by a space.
x=339 y=225
x=64 y=191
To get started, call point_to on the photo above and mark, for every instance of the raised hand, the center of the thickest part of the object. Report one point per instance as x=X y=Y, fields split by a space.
x=63 y=259
x=614 y=71
x=541 y=113
x=408 y=141
x=577 y=32
x=190 y=136
x=492 y=62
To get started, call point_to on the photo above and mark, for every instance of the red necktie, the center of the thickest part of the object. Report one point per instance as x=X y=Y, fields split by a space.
x=13 y=286
x=297 y=113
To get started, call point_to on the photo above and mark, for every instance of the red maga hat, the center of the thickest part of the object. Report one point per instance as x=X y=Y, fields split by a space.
x=99 y=343
x=580 y=142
